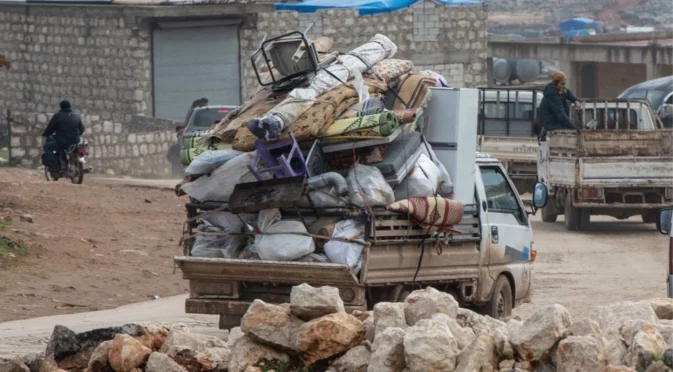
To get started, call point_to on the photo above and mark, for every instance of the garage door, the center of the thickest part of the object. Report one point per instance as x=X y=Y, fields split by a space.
x=191 y=62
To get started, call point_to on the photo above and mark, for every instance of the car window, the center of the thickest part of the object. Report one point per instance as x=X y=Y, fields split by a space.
x=655 y=97
x=669 y=100
x=500 y=197
x=516 y=110
x=203 y=119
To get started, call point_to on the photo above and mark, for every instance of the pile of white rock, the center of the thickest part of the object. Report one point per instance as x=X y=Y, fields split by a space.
x=426 y=333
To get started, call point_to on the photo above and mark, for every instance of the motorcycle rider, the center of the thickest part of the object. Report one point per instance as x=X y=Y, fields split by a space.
x=66 y=128
x=554 y=108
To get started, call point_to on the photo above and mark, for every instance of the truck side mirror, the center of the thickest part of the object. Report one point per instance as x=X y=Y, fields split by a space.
x=664 y=221
x=540 y=195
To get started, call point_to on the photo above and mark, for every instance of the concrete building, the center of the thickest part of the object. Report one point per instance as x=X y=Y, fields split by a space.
x=121 y=65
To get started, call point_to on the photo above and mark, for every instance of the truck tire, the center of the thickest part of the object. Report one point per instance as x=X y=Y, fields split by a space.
x=650 y=216
x=229 y=321
x=501 y=302
x=572 y=214
x=549 y=213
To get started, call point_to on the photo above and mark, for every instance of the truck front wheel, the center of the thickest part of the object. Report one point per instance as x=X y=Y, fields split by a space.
x=501 y=303
x=549 y=213
x=649 y=216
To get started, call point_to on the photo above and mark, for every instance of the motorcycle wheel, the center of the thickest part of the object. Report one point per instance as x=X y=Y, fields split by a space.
x=78 y=177
x=48 y=176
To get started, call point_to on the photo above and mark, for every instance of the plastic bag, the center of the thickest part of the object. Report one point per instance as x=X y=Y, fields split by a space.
x=281 y=247
x=346 y=253
x=323 y=197
x=222 y=246
x=207 y=161
x=219 y=185
x=421 y=182
x=366 y=186
x=445 y=185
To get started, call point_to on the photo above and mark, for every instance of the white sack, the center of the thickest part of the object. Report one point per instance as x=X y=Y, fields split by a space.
x=367 y=186
x=445 y=185
x=219 y=185
x=346 y=253
x=281 y=247
x=222 y=246
x=208 y=160
x=323 y=197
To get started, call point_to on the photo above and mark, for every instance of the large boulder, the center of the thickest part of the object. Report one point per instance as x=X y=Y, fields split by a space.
x=540 y=332
x=389 y=314
x=615 y=350
x=63 y=343
x=271 y=324
x=234 y=335
x=210 y=360
x=464 y=336
x=663 y=307
x=99 y=358
x=152 y=336
x=355 y=360
x=367 y=318
x=127 y=353
x=158 y=362
x=503 y=347
x=424 y=303
x=308 y=303
x=429 y=346
x=611 y=318
x=13 y=365
x=179 y=340
x=246 y=353
x=646 y=345
x=479 y=353
x=328 y=336
x=579 y=353
x=388 y=351
x=477 y=322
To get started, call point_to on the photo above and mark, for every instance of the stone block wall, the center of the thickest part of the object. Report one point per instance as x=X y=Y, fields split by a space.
x=450 y=40
x=138 y=149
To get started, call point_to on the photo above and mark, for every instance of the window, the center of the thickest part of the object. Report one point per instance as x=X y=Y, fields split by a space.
x=500 y=197
x=204 y=118
x=617 y=119
x=516 y=110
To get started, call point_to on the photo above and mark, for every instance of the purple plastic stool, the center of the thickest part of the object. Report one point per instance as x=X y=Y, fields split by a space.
x=279 y=166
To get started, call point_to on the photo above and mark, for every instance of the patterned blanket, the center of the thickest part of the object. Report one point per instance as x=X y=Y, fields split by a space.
x=433 y=213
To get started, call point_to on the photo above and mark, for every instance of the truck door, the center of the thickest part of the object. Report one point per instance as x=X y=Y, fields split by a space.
x=509 y=236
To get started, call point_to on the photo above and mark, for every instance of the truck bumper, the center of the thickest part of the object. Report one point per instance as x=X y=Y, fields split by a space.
x=232 y=307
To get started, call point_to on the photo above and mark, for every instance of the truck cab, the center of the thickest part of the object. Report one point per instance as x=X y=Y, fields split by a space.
x=487 y=265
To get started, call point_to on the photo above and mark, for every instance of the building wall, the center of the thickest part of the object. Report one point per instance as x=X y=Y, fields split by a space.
x=448 y=40
x=614 y=78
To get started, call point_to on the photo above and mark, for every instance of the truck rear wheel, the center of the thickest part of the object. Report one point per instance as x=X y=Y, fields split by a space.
x=576 y=219
x=649 y=216
x=549 y=213
x=501 y=303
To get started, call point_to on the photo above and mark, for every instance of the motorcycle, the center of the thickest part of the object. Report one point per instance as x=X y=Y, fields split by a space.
x=71 y=163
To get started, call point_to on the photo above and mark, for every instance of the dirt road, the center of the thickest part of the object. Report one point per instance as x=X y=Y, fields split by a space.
x=613 y=261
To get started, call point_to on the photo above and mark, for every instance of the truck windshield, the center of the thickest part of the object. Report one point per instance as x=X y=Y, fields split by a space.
x=203 y=119
x=508 y=119
x=500 y=196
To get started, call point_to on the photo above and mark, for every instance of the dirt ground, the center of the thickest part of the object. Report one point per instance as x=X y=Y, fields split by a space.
x=90 y=247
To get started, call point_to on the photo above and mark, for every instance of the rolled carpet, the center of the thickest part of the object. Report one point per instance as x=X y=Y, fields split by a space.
x=379 y=125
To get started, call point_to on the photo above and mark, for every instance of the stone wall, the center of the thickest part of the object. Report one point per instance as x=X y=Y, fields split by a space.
x=450 y=40
x=138 y=149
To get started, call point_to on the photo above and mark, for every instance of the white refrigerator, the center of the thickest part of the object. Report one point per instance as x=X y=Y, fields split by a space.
x=450 y=127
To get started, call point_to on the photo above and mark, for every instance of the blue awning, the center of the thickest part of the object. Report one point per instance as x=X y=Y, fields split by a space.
x=365 y=7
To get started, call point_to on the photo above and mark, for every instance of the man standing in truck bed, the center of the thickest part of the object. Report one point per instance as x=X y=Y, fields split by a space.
x=554 y=108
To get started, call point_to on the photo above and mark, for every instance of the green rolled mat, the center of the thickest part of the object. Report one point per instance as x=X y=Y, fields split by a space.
x=188 y=154
x=188 y=143
x=380 y=125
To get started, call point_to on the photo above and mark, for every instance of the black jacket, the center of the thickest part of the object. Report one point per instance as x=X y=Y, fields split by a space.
x=66 y=126
x=555 y=109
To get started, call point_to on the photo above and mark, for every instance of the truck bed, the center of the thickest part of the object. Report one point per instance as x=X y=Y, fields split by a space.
x=217 y=284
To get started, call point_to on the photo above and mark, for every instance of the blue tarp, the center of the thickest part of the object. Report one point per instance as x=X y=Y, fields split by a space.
x=365 y=7
x=578 y=24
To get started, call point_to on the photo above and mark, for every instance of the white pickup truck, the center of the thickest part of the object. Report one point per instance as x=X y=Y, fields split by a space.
x=489 y=265
x=507 y=129
x=619 y=164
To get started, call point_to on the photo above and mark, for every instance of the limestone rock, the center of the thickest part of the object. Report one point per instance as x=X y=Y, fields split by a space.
x=429 y=346
x=63 y=342
x=99 y=358
x=424 y=303
x=127 y=353
x=234 y=335
x=658 y=366
x=503 y=347
x=663 y=307
x=271 y=324
x=162 y=363
x=665 y=330
x=618 y=368
x=13 y=365
x=540 y=332
x=247 y=353
x=464 y=336
x=214 y=359
x=481 y=351
x=388 y=314
x=388 y=351
x=152 y=336
x=328 y=336
x=478 y=323
x=367 y=318
x=507 y=365
x=308 y=303
x=178 y=340
x=355 y=360
x=579 y=353
x=647 y=344
x=615 y=350
x=611 y=318
x=33 y=361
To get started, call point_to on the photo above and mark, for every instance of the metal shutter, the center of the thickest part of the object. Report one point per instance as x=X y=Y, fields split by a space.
x=194 y=62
